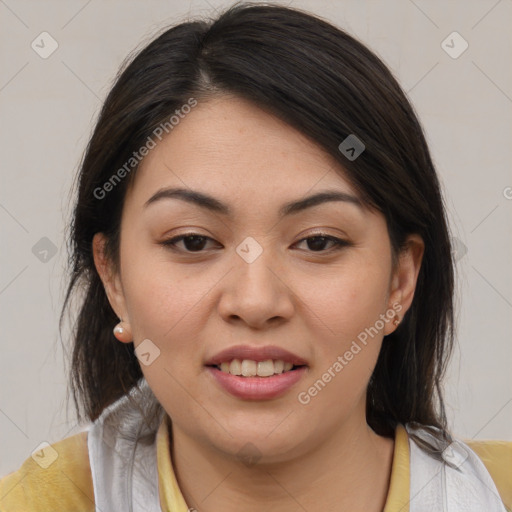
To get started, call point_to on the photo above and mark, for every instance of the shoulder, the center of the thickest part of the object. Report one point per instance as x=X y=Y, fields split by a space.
x=497 y=458
x=58 y=477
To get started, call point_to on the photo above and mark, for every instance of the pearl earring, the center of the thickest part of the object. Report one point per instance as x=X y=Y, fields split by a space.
x=120 y=331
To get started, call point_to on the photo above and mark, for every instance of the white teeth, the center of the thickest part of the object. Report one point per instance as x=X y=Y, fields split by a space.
x=235 y=367
x=266 y=368
x=278 y=366
x=250 y=368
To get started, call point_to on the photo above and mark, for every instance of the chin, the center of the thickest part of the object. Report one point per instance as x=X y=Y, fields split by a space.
x=253 y=445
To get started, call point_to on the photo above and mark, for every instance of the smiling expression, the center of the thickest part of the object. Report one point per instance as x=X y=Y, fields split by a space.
x=220 y=251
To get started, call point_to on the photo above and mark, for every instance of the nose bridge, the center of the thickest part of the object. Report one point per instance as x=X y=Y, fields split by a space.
x=256 y=292
x=253 y=262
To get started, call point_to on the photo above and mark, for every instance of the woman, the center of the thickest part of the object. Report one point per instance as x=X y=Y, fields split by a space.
x=268 y=283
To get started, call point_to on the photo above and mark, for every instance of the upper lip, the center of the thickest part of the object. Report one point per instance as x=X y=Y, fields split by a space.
x=255 y=354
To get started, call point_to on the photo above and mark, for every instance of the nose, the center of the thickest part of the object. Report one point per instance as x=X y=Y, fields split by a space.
x=257 y=291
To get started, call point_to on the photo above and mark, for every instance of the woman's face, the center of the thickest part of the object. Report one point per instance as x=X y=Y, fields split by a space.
x=254 y=277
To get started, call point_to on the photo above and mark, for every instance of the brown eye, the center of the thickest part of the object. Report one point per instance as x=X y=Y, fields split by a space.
x=317 y=242
x=192 y=242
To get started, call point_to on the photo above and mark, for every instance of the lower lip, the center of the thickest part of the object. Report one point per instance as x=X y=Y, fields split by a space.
x=257 y=388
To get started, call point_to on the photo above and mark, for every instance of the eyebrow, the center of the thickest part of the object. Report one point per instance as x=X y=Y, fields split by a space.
x=212 y=204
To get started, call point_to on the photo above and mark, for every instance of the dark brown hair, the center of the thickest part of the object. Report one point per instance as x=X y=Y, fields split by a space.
x=326 y=84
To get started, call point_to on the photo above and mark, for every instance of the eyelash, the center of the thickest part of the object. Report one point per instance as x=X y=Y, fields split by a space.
x=338 y=242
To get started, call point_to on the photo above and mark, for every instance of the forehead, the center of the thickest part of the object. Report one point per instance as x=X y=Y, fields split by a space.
x=230 y=148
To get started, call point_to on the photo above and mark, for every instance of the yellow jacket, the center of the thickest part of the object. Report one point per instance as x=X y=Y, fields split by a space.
x=66 y=484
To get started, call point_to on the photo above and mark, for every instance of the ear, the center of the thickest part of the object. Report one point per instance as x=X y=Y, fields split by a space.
x=111 y=280
x=404 y=278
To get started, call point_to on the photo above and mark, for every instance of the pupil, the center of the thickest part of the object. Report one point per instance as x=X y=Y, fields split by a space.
x=313 y=242
x=197 y=242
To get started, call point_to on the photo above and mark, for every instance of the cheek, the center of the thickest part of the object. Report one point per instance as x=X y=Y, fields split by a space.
x=349 y=306
x=162 y=297
x=350 y=300
x=165 y=301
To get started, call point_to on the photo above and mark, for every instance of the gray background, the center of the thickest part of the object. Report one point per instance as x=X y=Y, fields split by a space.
x=48 y=108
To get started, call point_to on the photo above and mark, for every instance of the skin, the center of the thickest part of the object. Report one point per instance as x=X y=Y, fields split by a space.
x=311 y=300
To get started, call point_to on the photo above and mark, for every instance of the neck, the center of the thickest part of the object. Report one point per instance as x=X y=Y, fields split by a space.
x=350 y=470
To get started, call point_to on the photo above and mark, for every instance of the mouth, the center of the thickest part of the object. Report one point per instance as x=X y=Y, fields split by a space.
x=249 y=372
x=246 y=379
x=250 y=368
